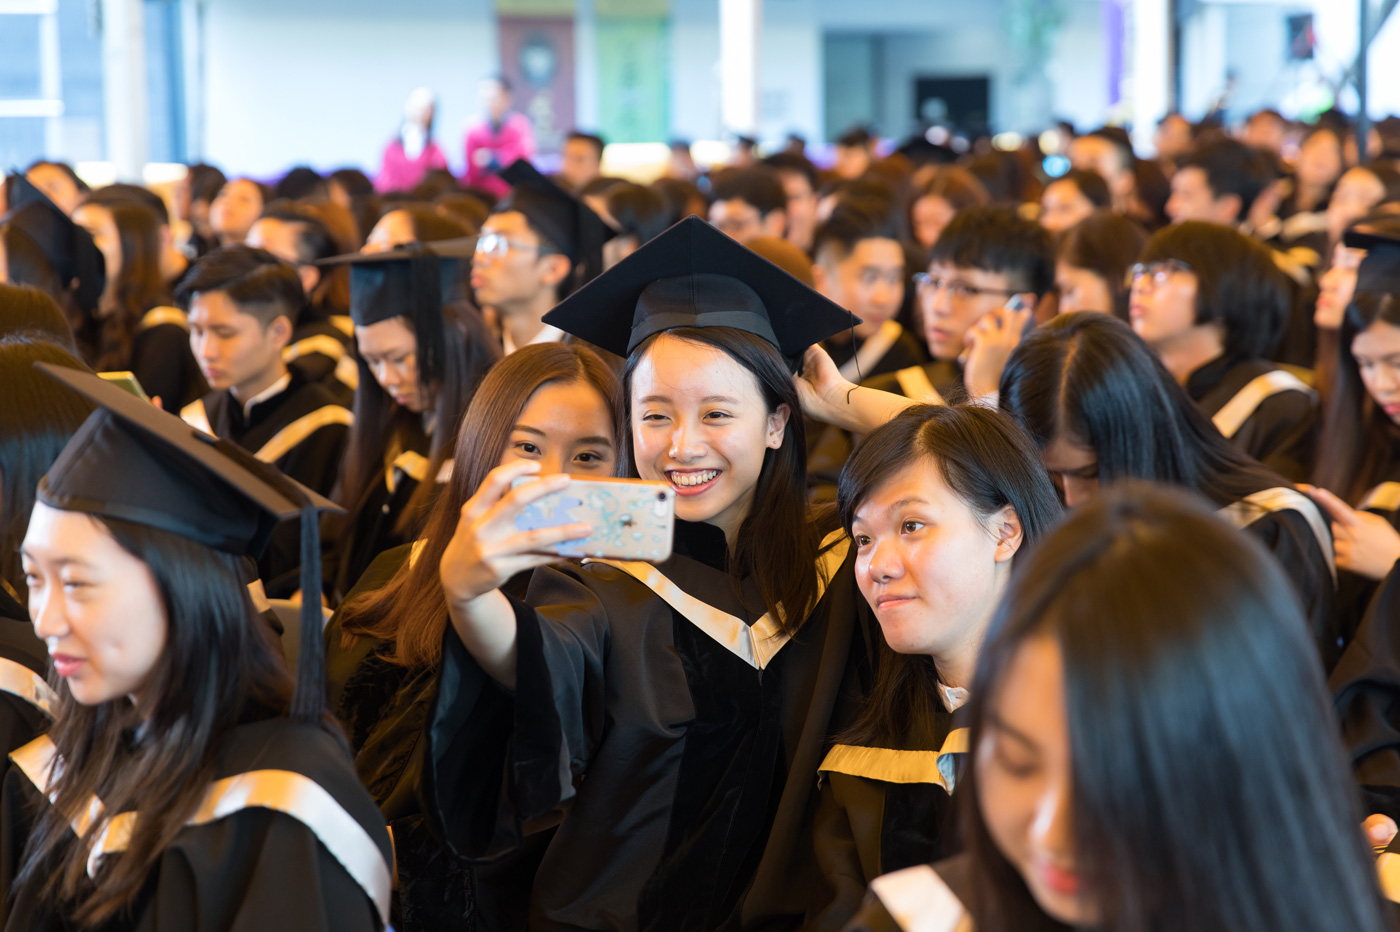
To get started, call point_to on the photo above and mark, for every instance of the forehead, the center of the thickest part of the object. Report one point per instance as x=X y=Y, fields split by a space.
x=573 y=405
x=54 y=533
x=92 y=215
x=920 y=479
x=1031 y=694
x=271 y=233
x=386 y=336
x=1062 y=189
x=1065 y=455
x=1189 y=178
x=214 y=305
x=685 y=370
x=733 y=206
x=881 y=252
x=1092 y=148
x=512 y=222
x=1378 y=340
x=240 y=187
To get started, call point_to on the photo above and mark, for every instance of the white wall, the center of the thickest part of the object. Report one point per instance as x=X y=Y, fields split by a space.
x=324 y=81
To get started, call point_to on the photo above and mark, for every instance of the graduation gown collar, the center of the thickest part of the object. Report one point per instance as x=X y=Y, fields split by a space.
x=702 y=542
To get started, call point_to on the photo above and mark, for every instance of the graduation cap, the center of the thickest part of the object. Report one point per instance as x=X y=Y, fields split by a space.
x=1379 y=272
x=132 y=461
x=68 y=247
x=413 y=281
x=694 y=276
x=566 y=221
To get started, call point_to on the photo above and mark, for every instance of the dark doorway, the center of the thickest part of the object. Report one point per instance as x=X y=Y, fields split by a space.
x=963 y=102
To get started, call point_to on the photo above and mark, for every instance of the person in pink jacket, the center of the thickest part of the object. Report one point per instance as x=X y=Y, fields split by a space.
x=498 y=140
x=413 y=153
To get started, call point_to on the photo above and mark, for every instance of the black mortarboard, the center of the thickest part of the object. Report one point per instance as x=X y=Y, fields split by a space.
x=566 y=221
x=1379 y=272
x=132 y=461
x=694 y=276
x=68 y=247
x=412 y=281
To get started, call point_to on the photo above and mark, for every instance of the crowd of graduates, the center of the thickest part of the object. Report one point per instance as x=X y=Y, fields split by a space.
x=1034 y=560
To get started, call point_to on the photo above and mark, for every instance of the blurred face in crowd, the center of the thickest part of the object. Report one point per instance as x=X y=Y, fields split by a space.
x=1025 y=781
x=1193 y=199
x=234 y=210
x=851 y=161
x=96 y=606
x=1063 y=205
x=955 y=298
x=390 y=350
x=1173 y=137
x=1377 y=353
x=868 y=281
x=801 y=208
x=511 y=266
x=582 y=163
x=495 y=99
x=1096 y=154
x=1336 y=287
x=565 y=427
x=1319 y=159
x=1265 y=131
x=930 y=215
x=56 y=185
x=1356 y=193
x=1073 y=467
x=233 y=348
x=280 y=238
x=700 y=423
x=1162 y=305
x=395 y=228
x=1082 y=290
x=931 y=569
x=98 y=221
x=742 y=221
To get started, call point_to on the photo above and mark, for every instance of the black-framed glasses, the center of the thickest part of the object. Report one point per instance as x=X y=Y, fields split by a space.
x=1157 y=273
x=959 y=290
x=498 y=246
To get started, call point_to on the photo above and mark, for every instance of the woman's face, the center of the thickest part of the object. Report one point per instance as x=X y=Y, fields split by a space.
x=56 y=185
x=565 y=427
x=1063 y=205
x=1025 y=781
x=931 y=569
x=235 y=209
x=99 y=223
x=95 y=605
x=931 y=214
x=390 y=350
x=393 y=229
x=1082 y=290
x=1162 y=307
x=1356 y=193
x=1319 y=160
x=1074 y=467
x=1336 y=287
x=1377 y=353
x=700 y=424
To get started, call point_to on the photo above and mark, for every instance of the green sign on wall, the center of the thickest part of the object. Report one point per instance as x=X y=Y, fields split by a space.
x=633 y=78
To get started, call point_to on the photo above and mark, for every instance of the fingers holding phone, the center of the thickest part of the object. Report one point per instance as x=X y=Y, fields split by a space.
x=990 y=343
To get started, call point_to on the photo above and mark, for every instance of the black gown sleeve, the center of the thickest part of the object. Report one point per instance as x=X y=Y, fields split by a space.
x=1366 y=691
x=1282 y=434
x=1289 y=537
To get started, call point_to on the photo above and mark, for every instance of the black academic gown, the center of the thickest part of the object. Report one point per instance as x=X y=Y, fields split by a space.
x=904 y=352
x=321 y=350
x=1354 y=593
x=883 y=810
x=681 y=778
x=934 y=897
x=161 y=359
x=831 y=447
x=384 y=707
x=1366 y=690
x=252 y=870
x=26 y=702
x=1282 y=430
x=301 y=430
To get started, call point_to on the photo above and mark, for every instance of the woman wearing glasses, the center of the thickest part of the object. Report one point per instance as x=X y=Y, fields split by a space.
x=1213 y=306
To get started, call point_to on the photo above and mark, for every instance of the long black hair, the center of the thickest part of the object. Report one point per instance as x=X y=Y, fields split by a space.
x=1210 y=790
x=37 y=418
x=1359 y=442
x=776 y=544
x=1087 y=377
x=988 y=463
x=221 y=667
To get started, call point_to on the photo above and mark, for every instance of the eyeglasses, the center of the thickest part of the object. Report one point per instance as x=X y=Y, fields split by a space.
x=497 y=246
x=928 y=286
x=1157 y=273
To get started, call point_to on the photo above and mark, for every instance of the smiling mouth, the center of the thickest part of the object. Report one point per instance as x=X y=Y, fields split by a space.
x=691 y=482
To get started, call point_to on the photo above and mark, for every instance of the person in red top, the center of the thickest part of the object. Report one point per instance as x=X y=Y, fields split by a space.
x=498 y=140
x=413 y=153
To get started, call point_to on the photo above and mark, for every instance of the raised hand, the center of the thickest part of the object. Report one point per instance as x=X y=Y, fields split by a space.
x=989 y=345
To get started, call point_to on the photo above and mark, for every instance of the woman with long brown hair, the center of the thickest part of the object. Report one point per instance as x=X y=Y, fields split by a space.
x=551 y=403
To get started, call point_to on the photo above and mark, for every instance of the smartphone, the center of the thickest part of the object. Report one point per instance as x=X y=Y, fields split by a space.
x=127 y=382
x=632 y=519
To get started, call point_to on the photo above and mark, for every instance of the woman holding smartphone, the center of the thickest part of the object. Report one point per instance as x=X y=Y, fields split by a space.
x=553 y=404
x=668 y=718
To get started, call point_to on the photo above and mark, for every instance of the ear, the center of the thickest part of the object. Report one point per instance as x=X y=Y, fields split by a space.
x=281 y=329
x=1006 y=526
x=556 y=269
x=775 y=223
x=1230 y=206
x=310 y=277
x=777 y=426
